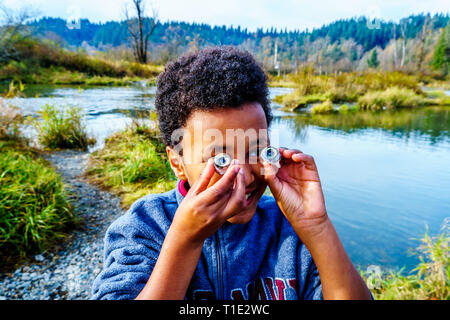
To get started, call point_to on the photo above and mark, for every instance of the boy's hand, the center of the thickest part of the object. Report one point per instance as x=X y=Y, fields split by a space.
x=297 y=189
x=298 y=192
x=204 y=210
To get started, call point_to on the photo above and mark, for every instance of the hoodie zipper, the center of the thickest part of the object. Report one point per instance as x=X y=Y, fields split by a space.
x=219 y=267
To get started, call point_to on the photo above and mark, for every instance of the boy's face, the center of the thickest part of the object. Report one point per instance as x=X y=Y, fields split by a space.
x=239 y=132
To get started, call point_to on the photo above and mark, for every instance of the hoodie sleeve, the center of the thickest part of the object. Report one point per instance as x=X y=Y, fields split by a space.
x=311 y=284
x=132 y=245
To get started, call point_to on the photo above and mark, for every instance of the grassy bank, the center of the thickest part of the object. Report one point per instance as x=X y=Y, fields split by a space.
x=430 y=280
x=34 y=208
x=132 y=164
x=43 y=62
x=372 y=90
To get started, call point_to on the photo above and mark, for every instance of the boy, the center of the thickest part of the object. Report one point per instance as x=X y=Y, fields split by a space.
x=216 y=236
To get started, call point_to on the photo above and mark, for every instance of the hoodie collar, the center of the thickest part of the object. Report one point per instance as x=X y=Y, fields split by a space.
x=181 y=190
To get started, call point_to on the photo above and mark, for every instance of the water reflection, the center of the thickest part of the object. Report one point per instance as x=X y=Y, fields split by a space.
x=431 y=124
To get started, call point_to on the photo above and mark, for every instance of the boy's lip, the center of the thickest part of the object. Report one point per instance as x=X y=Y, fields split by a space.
x=250 y=196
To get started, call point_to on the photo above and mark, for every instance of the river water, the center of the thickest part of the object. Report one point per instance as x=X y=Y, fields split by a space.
x=386 y=176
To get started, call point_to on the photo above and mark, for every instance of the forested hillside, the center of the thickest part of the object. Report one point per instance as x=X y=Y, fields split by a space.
x=344 y=45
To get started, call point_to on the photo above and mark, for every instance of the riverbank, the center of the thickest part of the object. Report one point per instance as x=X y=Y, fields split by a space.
x=133 y=162
x=67 y=270
x=44 y=62
x=367 y=91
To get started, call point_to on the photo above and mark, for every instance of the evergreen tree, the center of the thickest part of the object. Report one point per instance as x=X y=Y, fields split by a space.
x=441 y=56
x=373 y=62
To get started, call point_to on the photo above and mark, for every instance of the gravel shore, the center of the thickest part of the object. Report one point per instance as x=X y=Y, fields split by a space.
x=67 y=271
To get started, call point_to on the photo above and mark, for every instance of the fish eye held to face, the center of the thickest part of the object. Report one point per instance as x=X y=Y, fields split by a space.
x=217 y=218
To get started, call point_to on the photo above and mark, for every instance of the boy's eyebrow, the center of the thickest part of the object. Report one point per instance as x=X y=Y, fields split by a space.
x=258 y=142
x=212 y=147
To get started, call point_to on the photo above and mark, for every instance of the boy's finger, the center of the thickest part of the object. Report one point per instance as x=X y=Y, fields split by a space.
x=270 y=176
x=307 y=162
x=306 y=159
x=237 y=199
x=224 y=184
x=288 y=153
x=269 y=171
x=205 y=177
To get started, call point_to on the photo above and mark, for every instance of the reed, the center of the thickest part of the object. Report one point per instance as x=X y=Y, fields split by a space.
x=62 y=128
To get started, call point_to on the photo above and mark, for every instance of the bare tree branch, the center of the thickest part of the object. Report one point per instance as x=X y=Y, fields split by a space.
x=13 y=30
x=140 y=27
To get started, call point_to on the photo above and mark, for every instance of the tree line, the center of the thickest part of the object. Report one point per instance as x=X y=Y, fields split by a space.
x=344 y=45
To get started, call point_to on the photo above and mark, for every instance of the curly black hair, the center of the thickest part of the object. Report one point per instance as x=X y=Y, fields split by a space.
x=210 y=79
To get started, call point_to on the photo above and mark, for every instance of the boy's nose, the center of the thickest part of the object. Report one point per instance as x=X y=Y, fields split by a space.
x=248 y=174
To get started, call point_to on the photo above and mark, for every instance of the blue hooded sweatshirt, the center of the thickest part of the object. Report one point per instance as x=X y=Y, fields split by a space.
x=263 y=259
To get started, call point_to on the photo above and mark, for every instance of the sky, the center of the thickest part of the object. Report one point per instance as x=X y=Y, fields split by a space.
x=250 y=14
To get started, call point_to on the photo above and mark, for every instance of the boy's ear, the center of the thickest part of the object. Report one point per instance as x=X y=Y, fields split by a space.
x=176 y=163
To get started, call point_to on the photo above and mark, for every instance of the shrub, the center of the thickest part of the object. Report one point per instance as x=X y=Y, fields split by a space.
x=62 y=129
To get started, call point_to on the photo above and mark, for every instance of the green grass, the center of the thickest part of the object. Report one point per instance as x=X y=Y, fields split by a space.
x=132 y=164
x=296 y=100
x=437 y=97
x=391 y=98
x=430 y=280
x=34 y=209
x=62 y=129
x=344 y=109
x=321 y=108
